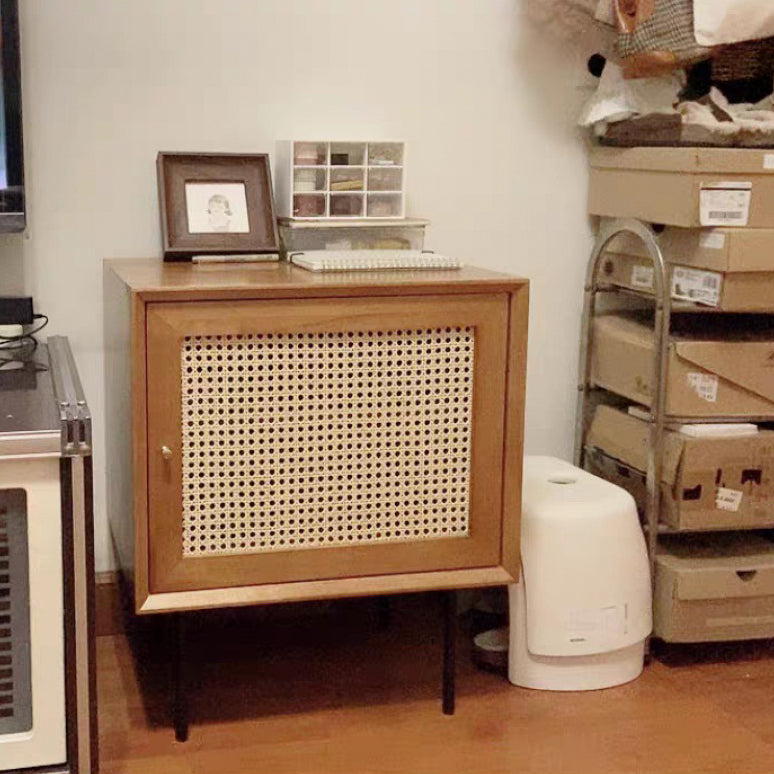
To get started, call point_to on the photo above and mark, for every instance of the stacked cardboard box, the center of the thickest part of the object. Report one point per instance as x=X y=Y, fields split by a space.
x=706 y=483
x=688 y=187
x=717 y=206
x=718 y=587
x=726 y=269
x=714 y=211
x=717 y=367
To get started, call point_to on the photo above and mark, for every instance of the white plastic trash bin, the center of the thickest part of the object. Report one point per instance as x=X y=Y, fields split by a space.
x=581 y=613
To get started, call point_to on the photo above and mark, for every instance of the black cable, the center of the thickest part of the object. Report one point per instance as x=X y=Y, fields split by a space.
x=7 y=342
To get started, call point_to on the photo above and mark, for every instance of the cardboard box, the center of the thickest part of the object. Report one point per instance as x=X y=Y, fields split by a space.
x=714 y=249
x=706 y=483
x=619 y=473
x=742 y=291
x=688 y=187
x=714 y=588
x=718 y=368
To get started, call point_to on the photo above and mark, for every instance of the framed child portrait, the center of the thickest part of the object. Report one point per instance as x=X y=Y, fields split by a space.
x=215 y=204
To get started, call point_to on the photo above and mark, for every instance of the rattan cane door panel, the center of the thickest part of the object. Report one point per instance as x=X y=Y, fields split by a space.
x=324 y=438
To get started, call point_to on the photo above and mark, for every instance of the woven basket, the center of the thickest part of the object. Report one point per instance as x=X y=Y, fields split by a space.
x=743 y=61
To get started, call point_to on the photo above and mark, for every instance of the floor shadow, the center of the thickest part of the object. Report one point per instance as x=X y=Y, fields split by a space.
x=249 y=663
x=696 y=654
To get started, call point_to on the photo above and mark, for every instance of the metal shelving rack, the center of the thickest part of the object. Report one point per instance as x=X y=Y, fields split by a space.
x=662 y=302
x=589 y=396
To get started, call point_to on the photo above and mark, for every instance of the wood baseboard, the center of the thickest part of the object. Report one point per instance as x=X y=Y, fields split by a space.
x=109 y=612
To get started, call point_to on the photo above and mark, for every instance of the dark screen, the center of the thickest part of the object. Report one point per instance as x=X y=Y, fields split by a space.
x=11 y=155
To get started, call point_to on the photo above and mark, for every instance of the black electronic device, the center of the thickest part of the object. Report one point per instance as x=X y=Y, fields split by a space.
x=16 y=310
x=12 y=200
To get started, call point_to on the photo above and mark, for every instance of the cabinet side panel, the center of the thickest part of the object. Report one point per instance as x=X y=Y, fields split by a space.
x=514 y=428
x=139 y=436
x=118 y=418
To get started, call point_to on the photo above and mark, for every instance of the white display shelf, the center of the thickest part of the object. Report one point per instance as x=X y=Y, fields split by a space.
x=319 y=180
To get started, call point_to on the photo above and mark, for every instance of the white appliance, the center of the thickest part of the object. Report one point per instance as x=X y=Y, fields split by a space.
x=581 y=613
x=31 y=614
x=47 y=683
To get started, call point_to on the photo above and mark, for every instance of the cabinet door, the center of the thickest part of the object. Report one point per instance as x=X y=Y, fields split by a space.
x=308 y=439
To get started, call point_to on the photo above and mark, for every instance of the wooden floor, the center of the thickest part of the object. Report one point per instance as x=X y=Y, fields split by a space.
x=325 y=690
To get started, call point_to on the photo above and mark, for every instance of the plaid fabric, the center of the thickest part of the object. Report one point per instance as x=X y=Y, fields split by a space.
x=669 y=28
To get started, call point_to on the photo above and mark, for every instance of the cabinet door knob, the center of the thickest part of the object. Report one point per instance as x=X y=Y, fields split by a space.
x=166 y=452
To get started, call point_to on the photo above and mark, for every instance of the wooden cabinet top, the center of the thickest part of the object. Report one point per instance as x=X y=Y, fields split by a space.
x=154 y=280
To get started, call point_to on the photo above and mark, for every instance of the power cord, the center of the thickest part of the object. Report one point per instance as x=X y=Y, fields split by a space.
x=27 y=337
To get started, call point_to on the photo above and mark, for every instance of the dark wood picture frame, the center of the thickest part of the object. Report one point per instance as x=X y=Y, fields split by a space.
x=176 y=170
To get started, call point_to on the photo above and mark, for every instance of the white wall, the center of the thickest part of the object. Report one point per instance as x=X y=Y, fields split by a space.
x=485 y=102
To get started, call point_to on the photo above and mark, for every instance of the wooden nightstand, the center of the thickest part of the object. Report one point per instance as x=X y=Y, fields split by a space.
x=278 y=435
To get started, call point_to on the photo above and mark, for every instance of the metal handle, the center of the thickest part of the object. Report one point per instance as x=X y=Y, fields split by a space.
x=74 y=414
x=166 y=452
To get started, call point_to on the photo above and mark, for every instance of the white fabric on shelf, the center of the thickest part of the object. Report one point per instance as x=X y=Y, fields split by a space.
x=723 y=119
x=718 y=431
x=573 y=22
x=589 y=6
x=605 y=12
x=617 y=99
x=719 y=22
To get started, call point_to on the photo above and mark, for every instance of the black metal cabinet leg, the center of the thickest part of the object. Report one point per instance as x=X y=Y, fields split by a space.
x=180 y=678
x=449 y=614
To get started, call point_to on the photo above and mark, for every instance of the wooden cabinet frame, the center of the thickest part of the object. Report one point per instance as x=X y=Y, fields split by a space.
x=150 y=308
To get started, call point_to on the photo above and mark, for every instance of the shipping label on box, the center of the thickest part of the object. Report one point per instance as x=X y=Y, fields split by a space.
x=642 y=277
x=725 y=203
x=712 y=239
x=704 y=385
x=693 y=285
x=697 y=286
x=728 y=499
